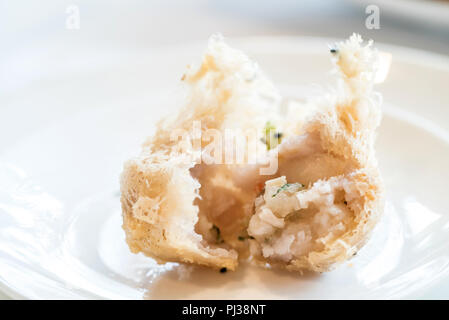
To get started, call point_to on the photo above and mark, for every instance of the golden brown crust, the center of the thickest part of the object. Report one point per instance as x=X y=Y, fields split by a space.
x=159 y=218
x=160 y=189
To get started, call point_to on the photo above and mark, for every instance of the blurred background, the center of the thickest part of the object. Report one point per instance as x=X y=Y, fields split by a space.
x=32 y=32
x=65 y=32
x=58 y=29
x=35 y=32
x=26 y=25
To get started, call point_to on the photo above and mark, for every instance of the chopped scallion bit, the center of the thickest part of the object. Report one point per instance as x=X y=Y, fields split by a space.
x=270 y=137
x=218 y=234
x=242 y=238
x=289 y=187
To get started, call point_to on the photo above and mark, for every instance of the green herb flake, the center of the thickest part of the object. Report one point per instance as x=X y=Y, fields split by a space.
x=271 y=137
x=218 y=238
x=289 y=187
x=242 y=238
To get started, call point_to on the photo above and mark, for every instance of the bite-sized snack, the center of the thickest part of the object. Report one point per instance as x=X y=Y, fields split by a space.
x=315 y=207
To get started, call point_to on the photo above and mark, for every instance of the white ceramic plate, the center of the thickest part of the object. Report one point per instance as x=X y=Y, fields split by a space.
x=64 y=137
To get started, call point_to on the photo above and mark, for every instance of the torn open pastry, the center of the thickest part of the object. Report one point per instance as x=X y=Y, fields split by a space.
x=306 y=192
